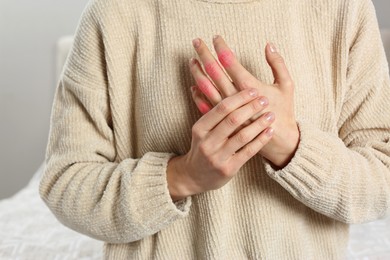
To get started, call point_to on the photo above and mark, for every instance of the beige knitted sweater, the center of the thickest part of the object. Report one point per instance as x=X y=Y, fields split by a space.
x=123 y=107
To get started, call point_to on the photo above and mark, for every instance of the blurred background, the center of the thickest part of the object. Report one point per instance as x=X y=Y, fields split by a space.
x=28 y=34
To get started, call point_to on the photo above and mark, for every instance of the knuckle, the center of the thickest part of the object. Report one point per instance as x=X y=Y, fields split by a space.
x=245 y=83
x=195 y=131
x=212 y=68
x=203 y=149
x=289 y=84
x=279 y=59
x=215 y=163
x=243 y=137
x=233 y=120
x=224 y=171
x=222 y=108
x=250 y=150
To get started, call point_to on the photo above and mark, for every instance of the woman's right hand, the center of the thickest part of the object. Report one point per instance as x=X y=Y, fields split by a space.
x=220 y=146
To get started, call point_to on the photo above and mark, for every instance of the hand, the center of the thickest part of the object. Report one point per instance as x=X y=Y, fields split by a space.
x=210 y=92
x=217 y=152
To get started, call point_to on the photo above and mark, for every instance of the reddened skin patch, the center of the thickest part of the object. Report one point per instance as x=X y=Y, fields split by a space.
x=226 y=58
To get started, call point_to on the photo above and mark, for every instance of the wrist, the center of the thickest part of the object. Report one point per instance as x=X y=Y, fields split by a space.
x=285 y=147
x=177 y=185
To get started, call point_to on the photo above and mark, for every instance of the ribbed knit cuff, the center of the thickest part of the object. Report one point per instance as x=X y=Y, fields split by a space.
x=307 y=173
x=152 y=205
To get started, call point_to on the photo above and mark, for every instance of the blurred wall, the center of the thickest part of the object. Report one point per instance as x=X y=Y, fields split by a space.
x=383 y=12
x=28 y=33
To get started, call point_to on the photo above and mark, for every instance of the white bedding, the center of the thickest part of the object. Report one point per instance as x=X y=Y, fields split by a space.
x=29 y=231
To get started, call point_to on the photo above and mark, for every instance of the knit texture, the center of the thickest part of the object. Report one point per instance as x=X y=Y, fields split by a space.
x=123 y=108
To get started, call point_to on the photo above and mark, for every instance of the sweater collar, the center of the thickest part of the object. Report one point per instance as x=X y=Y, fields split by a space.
x=228 y=1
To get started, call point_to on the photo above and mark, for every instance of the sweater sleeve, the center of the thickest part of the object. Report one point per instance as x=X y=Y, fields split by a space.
x=84 y=185
x=347 y=176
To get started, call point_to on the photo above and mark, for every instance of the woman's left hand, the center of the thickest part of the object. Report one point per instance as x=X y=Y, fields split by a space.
x=211 y=89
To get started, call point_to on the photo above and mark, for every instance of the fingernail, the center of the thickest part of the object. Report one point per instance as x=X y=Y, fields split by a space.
x=192 y=61
x=196 y=43
x=263 y=101
x=272 y=48
x=253 y=92
x=269 y=132
x=215 y=37
x=269 y=117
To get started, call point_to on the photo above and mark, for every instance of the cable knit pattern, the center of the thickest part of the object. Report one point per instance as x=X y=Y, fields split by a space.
x=123 y=108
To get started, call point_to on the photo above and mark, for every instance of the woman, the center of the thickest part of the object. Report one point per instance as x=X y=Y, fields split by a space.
x=285 y=157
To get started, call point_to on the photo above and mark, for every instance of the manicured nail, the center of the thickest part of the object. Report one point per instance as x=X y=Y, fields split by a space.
x=272 y=48
x=269 y=132
x=269 y=116
x=196 y=43
x=215 y=37
x=263 y=101
x=253 y=92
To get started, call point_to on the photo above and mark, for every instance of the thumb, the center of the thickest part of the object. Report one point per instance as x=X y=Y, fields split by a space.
x=278 y=66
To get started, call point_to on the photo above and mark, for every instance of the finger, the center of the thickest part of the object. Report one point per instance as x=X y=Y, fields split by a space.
x=246 y=135
x=252 y=148
x=214 y=70
x=200 y=101
x=278 y=66
x=241 y=77
x=234 y=120
x=225 y=107
x=204 y=84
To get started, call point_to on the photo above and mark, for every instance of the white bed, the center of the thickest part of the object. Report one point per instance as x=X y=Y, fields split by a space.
x=29 y=231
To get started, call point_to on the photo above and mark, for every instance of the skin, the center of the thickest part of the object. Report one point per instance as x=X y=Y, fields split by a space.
x=236 y=126
x=226 y=57
x=208 y=89
x=203 y=105
x=283 y=145
x=213 y=69
x=218 y=150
